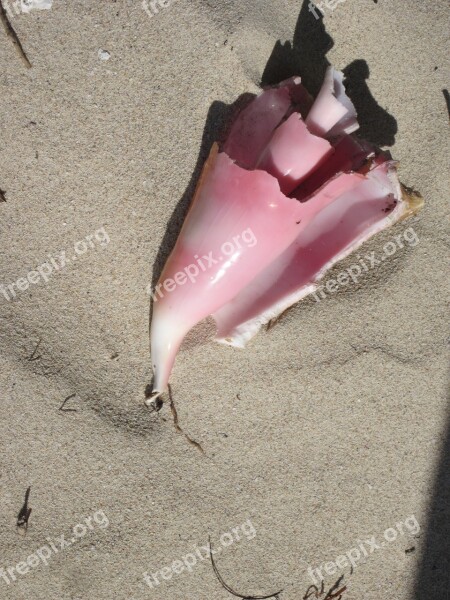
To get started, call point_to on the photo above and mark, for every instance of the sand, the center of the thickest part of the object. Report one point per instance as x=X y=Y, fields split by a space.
x=327 y=431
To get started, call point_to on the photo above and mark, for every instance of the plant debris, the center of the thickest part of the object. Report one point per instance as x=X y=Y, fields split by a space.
x=333 y=592
x=177 y=425
x=62 y=407
x=33 y=355
x=275 y=595
x=24 y=514
x=13 y=35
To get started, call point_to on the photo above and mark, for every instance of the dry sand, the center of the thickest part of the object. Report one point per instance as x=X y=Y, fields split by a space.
x=326 y=430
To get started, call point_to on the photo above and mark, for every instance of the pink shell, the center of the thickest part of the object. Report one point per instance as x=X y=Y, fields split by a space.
x=290 y=194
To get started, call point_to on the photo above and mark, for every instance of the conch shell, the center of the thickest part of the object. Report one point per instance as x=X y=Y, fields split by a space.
x=290 y=193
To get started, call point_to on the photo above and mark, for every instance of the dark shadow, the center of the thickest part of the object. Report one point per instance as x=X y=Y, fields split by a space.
x=306 y=56
x=136 y=420
x=433 y=580
x=376 y=124
x=447 y=100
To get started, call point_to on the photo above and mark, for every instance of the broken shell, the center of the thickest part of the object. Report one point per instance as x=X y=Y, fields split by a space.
x=290 y=194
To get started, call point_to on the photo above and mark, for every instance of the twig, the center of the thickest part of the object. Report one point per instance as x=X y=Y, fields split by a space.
x=229 y=589
x=25 y=512
x=313 y=589
x=332 y=593
x=67 y=409
x=33 y=356
x=11 y=32
x=2 y=195
x=177 y=425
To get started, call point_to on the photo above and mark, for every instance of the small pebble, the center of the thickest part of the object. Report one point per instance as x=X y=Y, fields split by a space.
x=104 y=54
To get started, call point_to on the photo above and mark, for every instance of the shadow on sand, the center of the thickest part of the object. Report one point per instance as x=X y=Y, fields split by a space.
x=433 y=577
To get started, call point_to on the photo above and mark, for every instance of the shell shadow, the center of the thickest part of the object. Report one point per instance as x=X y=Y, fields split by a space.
x=306 y=56
x=376 y=124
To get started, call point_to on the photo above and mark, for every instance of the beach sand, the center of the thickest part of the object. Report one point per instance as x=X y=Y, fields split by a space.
x=326 y=431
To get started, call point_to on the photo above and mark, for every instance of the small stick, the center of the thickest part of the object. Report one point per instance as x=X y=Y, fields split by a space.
x=229 y=589
x=67 y=409
x=33 y=356
x=2 y=195
x=176 y=424
x=313 y=589
x=332 y=593
x=25 y=512
x=11 y=32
